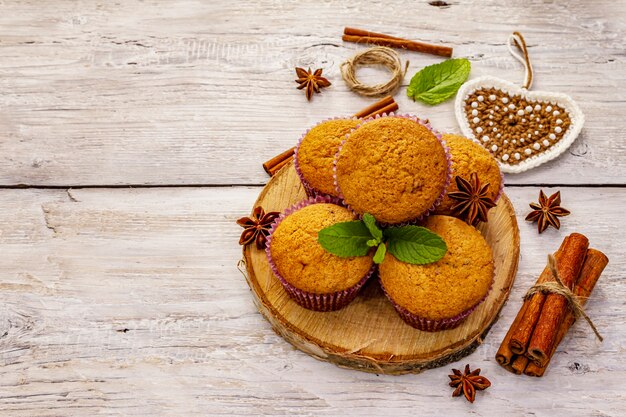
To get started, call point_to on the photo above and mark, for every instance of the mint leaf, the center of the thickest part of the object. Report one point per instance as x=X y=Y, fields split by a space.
x=437 y=83
x=345 y=239
x=415 y=244
x=370 y=222
x=380 y=253
x=372 y=243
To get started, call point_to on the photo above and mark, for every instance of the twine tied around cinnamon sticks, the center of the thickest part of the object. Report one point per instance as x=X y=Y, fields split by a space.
x=544 y=319
x=378 y=55
x=516 y=39
x=557 y=287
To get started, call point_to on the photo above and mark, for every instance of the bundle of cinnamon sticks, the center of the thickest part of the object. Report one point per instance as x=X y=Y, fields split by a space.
x=544 y=319
x=384 y=105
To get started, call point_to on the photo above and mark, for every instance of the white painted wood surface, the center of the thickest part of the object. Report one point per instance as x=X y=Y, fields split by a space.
x=166 y=93
x=128 y=301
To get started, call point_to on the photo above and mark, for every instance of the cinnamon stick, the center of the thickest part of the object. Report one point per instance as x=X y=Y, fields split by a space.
x=363 y=36
x=509 y=366
x=519 y=333
x=524 y=328
x=273 y=170
x=595 y=262
x=387 y=109
x=375 y=107
x=367 y=33
x=270 y=165
x=384 y=105
x=555 y=306
x=504 y=355
x=519 y=364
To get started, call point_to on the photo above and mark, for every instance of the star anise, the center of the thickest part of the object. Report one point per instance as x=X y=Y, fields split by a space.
x=257 y=227
x=473 y=200
x=313 y=81
x=547 y=212
x=468 y=382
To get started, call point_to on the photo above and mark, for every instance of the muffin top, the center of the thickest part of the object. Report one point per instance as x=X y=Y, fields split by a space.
x=469 y=157
x=448 y=287
x=302 y=261
x=393 y=168
x=316 y=153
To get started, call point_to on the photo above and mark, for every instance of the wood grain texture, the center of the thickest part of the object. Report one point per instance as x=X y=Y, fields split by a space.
x=129 y=302
x=201 y=92
x=368 y=334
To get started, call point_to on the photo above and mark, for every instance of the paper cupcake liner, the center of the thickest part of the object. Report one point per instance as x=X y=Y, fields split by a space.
x=437 y=201
x=310 y=190
x=428 y=325
x=318 y=302
x=324 y=302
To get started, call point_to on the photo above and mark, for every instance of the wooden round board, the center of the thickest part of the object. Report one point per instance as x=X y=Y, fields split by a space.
x=368 y=335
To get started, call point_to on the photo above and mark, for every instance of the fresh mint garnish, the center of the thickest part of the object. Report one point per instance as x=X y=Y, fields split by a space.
x=372 y=243
x=345 y=239
x=437 y=83
x=380 y=253
x=370 y=222
x=415 y=244
x=411 y=244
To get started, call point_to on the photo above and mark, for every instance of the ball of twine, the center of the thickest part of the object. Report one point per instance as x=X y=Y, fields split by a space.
x=379 y=55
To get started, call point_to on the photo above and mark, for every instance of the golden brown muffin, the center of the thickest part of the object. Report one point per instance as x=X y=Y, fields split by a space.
x=316 y=154
x=449 y=287
x=393 y=168
x=469 y=157
x=303 y=263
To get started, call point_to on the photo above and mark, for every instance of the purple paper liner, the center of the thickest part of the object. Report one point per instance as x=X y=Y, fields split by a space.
x=317 y=302
x=437 y=201
x=311 y=191
x=428 y=325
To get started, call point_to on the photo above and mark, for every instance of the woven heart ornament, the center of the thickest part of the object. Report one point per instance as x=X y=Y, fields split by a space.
x=522 y=129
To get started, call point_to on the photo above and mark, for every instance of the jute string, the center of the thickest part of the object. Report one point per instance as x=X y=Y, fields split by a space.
x=518 y=40
x=378 y=55
x=557 y=287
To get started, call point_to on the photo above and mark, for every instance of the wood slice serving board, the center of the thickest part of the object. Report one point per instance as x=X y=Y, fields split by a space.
x=368 y=335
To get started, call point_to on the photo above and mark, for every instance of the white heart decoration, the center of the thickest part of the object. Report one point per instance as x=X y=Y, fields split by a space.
x=522 y=129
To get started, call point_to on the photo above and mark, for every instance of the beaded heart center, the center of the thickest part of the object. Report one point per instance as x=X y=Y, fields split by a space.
x=513 y=127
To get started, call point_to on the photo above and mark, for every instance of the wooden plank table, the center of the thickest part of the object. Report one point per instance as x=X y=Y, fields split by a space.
x=131 y=138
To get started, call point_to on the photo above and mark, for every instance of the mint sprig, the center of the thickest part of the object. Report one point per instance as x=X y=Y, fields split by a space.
x=345 y=239
x=437 y=83
x=410 y=244
x=370 y=222
x=380 y=253
x=415 y=244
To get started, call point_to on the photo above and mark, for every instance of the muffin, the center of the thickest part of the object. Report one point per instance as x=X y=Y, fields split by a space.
x=442 y=294
x=469 y=157
x=315 y=278
x=394 y=168
x=315 y=155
